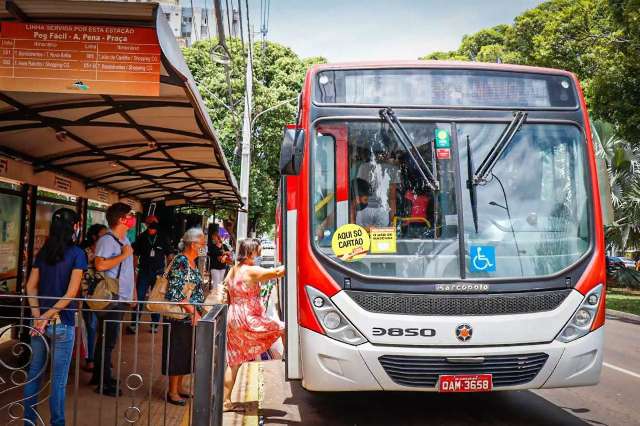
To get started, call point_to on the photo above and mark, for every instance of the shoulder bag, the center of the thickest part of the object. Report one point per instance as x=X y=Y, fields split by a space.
x=103 y=290
x=158 y=295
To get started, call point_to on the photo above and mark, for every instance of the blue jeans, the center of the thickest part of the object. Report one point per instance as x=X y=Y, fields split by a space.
x=61 y=338
x=91 y=323
x=146 y=280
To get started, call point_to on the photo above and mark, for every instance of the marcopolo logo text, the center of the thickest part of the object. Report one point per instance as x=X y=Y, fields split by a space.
x=463 y=287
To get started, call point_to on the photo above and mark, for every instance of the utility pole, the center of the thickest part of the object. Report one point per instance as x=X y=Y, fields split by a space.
x=245 y=163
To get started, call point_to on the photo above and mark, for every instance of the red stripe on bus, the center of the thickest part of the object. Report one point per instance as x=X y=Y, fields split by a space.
x=595 y=273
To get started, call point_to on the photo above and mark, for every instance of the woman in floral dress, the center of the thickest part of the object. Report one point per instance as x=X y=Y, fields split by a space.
x=250 y=331
x=185 y=286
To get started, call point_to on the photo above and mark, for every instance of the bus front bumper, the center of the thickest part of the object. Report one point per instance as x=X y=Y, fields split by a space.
x=329 y=365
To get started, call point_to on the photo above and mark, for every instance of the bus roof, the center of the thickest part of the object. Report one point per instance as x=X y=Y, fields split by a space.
x=439 y=64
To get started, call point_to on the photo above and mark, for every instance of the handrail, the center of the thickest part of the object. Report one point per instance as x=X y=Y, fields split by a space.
x=209 y=352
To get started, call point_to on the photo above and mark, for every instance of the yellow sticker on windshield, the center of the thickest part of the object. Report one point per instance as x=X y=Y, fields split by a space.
x=383 y=240
x=350 y=242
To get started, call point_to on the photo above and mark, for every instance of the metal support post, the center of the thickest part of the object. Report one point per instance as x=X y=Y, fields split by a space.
x=245 y=163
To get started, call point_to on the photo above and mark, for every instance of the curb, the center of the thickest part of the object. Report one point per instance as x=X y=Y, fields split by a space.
x=624 y=315
x=252 y=393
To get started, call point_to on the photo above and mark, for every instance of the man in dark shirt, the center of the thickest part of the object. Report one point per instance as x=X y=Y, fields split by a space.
x=150 y=249
x=219 y=256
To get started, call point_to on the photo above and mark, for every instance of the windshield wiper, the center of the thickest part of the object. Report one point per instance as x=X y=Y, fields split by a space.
x=483 y=172
x=473 y=196
x=486 y=167
x=398 y=129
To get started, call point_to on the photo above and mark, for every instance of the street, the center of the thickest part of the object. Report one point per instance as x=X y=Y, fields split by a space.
x=612 y=402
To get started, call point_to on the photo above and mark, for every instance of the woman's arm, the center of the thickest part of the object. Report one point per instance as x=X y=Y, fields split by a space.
x=257 y=273
x=72 y=291
x=32 y=291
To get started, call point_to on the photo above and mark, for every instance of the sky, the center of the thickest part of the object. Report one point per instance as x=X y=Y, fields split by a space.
x=355 y=30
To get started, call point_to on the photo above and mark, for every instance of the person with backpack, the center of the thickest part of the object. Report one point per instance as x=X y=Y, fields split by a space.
x=55 y=279
x=114 y=258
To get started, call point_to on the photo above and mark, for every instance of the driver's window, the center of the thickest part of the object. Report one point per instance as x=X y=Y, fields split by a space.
x=324 y=188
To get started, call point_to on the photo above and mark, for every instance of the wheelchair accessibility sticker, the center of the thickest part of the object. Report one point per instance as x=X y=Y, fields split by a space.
x=482 y=259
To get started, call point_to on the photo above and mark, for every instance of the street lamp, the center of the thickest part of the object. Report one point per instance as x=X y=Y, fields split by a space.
x=278 y=105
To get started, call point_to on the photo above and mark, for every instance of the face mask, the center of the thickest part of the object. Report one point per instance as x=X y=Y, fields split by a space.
x=76 y=235
x=152 y=231
x=130 y=222
x=362 y=206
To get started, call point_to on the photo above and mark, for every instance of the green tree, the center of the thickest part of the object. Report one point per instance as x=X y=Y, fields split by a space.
x=278 y=77
x=451 y=55
x=615 y=90
x=472 y=44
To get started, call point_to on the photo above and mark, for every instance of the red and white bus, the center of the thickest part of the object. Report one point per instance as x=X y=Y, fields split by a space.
x=441 y=228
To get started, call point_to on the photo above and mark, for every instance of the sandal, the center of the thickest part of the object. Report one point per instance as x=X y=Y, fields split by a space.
x=179 y=402
x=232 y=406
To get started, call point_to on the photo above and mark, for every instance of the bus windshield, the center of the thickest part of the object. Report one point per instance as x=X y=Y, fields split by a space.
x=532 y=220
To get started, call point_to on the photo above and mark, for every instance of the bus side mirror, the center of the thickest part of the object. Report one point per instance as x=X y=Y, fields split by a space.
x=291 y=152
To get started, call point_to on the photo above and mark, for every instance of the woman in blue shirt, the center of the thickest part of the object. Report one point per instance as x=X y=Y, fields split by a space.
x=55 y=277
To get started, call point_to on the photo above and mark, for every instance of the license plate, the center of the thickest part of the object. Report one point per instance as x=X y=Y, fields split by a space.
x=465 y=383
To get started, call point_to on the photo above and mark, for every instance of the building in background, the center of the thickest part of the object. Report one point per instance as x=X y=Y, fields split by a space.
x=188 y=24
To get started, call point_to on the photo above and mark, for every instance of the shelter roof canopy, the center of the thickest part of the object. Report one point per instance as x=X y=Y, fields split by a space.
x=145 y=147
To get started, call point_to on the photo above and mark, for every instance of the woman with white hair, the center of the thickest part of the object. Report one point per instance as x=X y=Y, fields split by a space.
x=184 y=286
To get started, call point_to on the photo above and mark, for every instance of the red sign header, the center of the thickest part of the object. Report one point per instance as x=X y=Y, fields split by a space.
x=63 y=58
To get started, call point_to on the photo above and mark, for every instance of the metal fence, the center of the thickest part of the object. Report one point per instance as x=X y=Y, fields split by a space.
x=137 y=366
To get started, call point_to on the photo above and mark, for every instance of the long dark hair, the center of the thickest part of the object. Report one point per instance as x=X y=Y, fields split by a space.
x=60 y=236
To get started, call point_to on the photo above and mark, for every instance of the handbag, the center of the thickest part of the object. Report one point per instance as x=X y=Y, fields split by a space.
x=102 y=289
x=158 y=294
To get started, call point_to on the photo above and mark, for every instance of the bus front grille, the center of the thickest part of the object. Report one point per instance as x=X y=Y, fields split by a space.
x=459 y=304
x=421 y=371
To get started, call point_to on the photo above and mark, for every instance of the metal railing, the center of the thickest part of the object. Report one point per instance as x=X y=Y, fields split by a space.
x=137 y=363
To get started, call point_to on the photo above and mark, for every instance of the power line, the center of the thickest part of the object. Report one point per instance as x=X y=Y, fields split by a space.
x=246 y=3
x=265 y=8
x=241 y=28
x=228 y=19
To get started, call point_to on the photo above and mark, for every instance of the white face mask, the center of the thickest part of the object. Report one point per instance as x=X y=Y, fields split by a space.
x=76 y=235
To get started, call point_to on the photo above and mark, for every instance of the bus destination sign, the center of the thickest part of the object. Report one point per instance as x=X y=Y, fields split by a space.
x=66 y=58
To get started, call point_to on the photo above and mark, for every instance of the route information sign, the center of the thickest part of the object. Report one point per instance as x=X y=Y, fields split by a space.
x=67 y=58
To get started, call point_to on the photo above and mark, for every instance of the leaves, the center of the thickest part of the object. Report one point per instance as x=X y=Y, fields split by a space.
x=278 y=76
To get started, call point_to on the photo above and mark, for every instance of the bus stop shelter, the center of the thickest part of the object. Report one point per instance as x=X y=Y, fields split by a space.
x=97 y=105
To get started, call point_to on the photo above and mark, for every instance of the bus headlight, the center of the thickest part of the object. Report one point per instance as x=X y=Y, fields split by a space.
x=580 y=323
x=334 y=323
